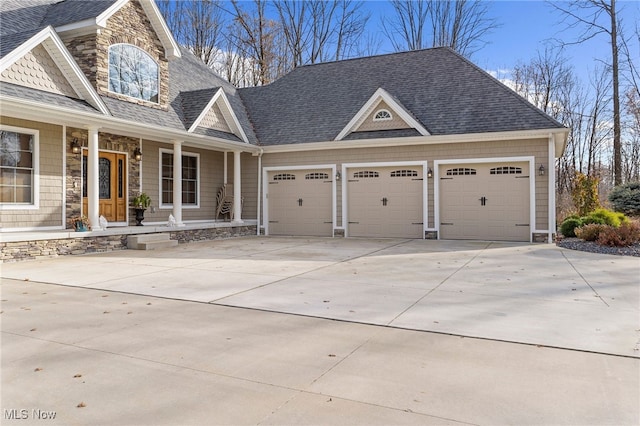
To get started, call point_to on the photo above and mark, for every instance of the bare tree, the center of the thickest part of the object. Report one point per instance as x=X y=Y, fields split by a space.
x=318 y=31
x=460 y=24
x=255 y=37
x=406 y=28
x=597 y=17
x=350 y=26
x=197 y=25
x=205 y=22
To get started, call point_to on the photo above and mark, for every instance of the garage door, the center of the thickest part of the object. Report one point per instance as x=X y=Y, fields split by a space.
x=385 y=202
x=485 y=201
x=300 y=203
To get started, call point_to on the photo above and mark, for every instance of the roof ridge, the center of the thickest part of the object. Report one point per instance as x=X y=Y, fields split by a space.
x=361 y=58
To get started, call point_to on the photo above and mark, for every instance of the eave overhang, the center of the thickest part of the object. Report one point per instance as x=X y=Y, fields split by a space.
x=559 y=133
x=37 y=111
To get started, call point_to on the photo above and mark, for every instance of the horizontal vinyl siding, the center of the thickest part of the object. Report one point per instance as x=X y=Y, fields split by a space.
x=533 y=147
x=51 y=194
x=211 y=179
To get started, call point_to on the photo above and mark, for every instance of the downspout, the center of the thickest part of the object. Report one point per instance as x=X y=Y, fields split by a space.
x=259 y=191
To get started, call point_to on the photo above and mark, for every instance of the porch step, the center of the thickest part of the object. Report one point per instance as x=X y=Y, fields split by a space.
x=150 y=241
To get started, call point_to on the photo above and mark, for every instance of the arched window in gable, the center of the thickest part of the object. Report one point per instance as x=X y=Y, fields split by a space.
x=132 y=72
x=382 y=115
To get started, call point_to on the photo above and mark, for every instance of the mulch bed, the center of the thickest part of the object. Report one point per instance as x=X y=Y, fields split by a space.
x=590 y=246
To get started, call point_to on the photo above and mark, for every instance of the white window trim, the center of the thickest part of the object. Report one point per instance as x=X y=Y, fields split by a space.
x=380 y=111
x=162 y=206
x=36 y=170
x=109 y=73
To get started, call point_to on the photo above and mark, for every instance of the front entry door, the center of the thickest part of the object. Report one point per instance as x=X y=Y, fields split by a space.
x=112 y=174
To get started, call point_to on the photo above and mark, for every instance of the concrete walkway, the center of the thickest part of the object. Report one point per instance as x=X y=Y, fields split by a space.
x=78 y=344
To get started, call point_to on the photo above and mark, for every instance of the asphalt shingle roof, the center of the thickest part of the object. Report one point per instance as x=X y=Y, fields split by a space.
x=13 y=90
x=191 y=85
x=446 y=93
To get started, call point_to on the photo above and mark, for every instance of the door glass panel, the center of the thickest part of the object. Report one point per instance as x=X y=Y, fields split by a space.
x=120 y=178
x=104 y=173
x=84 y=176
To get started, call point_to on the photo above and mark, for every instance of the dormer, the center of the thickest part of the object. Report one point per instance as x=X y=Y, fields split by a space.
x=380 y=113
x=125 y=52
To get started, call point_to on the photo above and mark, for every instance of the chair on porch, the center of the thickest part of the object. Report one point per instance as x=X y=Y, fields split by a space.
x=224 y=199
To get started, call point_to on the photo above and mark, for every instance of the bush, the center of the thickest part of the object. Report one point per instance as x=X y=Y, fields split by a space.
x=626 y=235
x=590 y=232
x=589 y=220
x=567 y=228
x=606 y=217
x=626 y=198
x=585 y=193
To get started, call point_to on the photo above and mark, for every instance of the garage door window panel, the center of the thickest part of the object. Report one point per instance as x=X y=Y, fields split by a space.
x=506 y=170
x=404 y=173
x=461 y=171
x=284 y=176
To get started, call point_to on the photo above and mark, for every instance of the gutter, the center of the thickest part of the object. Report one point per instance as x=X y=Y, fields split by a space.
x=36 y=111
x=561 y=134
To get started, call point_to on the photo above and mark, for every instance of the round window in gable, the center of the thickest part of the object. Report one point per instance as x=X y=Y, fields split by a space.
x=382 y=115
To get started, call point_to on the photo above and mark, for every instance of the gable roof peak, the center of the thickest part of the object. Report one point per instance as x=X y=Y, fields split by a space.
x=381 y=95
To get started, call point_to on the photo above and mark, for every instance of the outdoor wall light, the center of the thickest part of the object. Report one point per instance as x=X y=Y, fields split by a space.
x=541 y=170
x=429 y=173
x=76 y=146
x=137 y=154
x=338 y=175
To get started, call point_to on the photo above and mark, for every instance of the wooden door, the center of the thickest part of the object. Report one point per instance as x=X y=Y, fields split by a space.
x=112 y=186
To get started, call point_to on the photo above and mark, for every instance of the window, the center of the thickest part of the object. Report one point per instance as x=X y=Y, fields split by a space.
x=284 y=176
x=461 y=171
x=316 y=176
x=506 y=170
x=190 y=179
x=366 y=174
x=404 y=173
x=18 y=166
x=132 y=72
x=382 y=115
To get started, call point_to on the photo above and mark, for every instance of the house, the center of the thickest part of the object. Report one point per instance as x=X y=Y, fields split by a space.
x=98 y=103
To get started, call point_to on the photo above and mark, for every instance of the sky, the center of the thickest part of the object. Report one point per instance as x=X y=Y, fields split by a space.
x=525 y=27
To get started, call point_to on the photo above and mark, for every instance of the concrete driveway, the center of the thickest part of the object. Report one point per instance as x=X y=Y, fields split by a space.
x=534 y=294
x=143 y=338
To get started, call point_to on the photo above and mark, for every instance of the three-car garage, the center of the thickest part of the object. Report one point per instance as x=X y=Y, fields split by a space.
x=484 y=199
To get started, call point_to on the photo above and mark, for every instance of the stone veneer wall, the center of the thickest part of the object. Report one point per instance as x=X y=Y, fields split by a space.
x=129 y=25
x=31 y=250
x=106 y=141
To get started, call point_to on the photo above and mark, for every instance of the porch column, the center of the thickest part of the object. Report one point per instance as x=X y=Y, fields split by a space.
x=93 y=181
x=177 y=182
x=237 y=189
